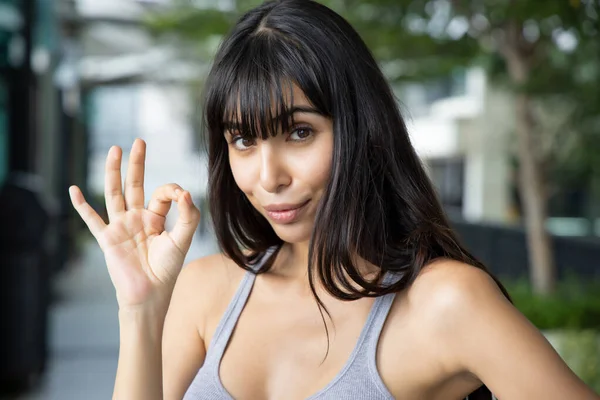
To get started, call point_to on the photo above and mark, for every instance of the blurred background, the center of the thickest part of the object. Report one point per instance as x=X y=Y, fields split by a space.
x=502 y=101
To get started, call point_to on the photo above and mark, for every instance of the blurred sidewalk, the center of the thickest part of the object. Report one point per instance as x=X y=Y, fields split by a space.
x=84 y=332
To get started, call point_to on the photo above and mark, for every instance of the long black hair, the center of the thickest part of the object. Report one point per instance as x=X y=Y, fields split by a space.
x=379 y=203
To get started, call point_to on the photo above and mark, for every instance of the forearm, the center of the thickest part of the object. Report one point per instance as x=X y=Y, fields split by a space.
x=139 y=370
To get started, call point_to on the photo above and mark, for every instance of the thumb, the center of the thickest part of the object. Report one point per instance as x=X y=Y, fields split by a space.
x=186 y=223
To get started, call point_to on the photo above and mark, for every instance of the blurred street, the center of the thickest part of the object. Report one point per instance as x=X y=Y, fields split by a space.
x=84 y=332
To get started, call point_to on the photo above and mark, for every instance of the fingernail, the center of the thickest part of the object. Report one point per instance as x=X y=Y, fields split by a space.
x=177 y=192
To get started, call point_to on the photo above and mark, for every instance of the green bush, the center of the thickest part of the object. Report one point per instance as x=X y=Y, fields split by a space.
x=581 y=351
x=574 y=305
x=571 y=316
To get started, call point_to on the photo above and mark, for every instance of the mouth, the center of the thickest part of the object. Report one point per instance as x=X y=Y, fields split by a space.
x=285 y=213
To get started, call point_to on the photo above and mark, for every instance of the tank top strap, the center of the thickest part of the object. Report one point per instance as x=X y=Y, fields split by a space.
x=232 y=314
x=381 y=309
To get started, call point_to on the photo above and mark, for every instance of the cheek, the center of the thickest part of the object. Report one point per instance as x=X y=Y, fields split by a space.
x=242 y=174
x=315 y=165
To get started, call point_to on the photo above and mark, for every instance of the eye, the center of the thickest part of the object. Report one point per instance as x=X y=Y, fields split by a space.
x=301 y=133
x=242 y=143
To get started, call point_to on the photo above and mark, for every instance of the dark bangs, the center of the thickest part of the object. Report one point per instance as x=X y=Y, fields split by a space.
x=253 y=93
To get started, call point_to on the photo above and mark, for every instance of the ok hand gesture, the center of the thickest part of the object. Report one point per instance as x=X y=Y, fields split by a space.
x=143 y=259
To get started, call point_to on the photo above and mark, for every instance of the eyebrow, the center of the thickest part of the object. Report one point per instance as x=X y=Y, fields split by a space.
x=234 y=125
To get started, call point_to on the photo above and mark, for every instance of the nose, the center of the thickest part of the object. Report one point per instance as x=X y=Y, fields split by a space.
x=273 y=172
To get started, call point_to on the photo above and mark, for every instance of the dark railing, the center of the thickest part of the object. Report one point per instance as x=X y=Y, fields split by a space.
x=504 y=250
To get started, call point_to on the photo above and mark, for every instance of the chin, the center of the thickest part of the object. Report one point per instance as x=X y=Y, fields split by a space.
x=293 y=233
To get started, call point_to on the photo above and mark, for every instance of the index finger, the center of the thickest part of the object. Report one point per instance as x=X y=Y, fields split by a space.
x=162 y=198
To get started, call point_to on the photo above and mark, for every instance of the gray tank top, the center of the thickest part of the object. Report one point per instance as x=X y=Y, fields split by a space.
x=357 y=380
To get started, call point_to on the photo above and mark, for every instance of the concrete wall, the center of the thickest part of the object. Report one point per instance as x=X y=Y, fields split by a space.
x=475 y=127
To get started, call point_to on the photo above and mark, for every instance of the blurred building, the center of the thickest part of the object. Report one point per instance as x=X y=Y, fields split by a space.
x=42 y=137
x=42 y=151
x=463 y=129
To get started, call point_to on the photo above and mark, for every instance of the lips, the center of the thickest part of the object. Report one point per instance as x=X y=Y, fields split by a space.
x=285 y=213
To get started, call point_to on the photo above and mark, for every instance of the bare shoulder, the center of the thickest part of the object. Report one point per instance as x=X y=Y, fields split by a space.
x=441 y=306
x=201 y=287
x=460 y=311
x=210 y=271
x=446 y=285
x=202 y=293
x=423 y=323
x=444 y=294
x=447 y=295
x=204 y=280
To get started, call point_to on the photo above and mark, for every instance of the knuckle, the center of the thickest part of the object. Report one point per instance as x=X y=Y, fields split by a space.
x=135 y=183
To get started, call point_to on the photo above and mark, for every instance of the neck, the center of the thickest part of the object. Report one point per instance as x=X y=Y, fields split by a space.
x=293 y=261
x=292 y=264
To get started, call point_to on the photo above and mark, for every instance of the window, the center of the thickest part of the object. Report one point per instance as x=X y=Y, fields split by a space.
x=448 y=178
x=449 y=86
x=113 y=112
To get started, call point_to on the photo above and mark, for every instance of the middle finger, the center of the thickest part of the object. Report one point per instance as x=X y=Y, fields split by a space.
x=134 y=183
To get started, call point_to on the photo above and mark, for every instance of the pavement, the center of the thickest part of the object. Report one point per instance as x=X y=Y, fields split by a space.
x=84 y=330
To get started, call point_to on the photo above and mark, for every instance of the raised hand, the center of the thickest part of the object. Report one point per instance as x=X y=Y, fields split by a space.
x=143 y=259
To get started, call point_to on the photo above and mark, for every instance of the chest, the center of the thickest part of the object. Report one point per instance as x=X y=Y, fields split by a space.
x=280 y=350
x=283 y=350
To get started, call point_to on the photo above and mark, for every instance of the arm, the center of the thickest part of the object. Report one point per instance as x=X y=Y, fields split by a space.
x=149 y=339
x=182 y=345
x=139 y=372
x=143 y=260
x=487 y=336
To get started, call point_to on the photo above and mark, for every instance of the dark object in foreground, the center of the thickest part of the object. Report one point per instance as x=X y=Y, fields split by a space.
x=24 y=286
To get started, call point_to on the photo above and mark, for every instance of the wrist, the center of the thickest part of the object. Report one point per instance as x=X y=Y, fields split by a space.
x=156 y=304
x=141 y=324
x=147 y=313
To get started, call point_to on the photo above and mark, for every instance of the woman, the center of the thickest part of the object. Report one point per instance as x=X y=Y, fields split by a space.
x=316 y=194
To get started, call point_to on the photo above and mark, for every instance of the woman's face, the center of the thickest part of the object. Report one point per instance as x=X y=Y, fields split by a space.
x=284 y=176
